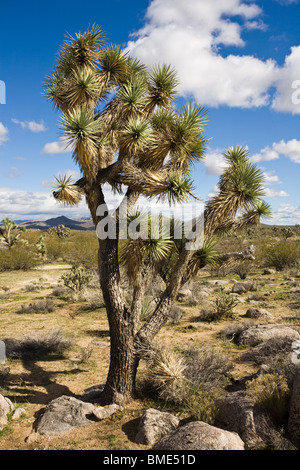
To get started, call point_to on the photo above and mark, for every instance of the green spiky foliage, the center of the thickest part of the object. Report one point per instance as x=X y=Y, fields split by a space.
x=10 y=233
x=120 y=119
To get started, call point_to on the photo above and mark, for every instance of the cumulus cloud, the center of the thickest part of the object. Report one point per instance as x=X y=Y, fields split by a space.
x=215 y=162
x=286 y=214
x=62 y=146
x=271 y=179
x=31 y=125
x=189 y=35
x=290 y=149
x=266 y=154
x=3 y=134
x=273 y=194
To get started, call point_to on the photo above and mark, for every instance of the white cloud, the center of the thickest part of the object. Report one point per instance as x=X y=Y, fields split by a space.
x=31 y=125
x=62 y=146
x=3 y=134
x=286 y=214
x=270 y=178
x=215 y=162
x=20 y=204
x=189 y=35
x=273 y=194
x=266 y=154
x=290 y=149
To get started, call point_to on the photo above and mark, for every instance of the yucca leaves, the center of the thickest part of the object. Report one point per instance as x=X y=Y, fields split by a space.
x=135 y=136
x=66 y=192
x=162 y=86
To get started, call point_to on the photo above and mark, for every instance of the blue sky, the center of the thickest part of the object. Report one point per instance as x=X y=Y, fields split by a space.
x=238 y=58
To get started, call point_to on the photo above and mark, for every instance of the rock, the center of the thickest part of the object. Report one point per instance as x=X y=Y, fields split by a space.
x=237 y=296
x=219 y=282
x=100 y=344
x=184 y=294
x=199 y=436
x=63 y=414
x=154 y=425
x=18 y=413
x=243 y=287
x=269 y=271
x=238 y=414
x=6 y=406
x=102 y=412
x=258 y=313
x=294 y=412
x=259 y=333
x=93 y=393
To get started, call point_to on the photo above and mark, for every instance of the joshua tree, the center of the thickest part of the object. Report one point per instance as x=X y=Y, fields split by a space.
x=60 y=230
x=10 y=233
x=121 y=121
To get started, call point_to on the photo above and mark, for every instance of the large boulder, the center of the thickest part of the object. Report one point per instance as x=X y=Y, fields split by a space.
x=243 y=287
x=65 y=413
x=154 y=425
x=199 y=436
x=258 y=313
x=259 y=333
x=6 y=407
x=184 y=294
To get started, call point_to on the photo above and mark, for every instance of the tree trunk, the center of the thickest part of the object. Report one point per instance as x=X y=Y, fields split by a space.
x=120 y=384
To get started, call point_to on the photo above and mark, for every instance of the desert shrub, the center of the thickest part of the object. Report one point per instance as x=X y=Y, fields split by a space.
x=164 y=376
x=77 y=279
x=193 y=380
x=225 y=304
x=282 y=255
x=207 y=368
x=40 y=306
x=271 y=348
x=85 y=354
x=4 y=375
x=202 y=405
x=270 y=392
x=31 y=287
x=55 y=248
x=175 y=314
x=18 y=258
x=55 y=341
x=242 y=268
x=221 y=307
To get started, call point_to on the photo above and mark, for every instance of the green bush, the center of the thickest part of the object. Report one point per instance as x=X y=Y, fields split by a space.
x=282 y=255
x=18 y=257
x=270 y=392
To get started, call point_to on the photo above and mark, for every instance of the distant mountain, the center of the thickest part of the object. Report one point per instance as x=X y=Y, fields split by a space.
x=81 y=224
